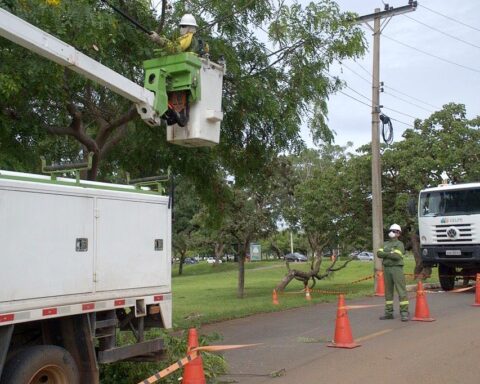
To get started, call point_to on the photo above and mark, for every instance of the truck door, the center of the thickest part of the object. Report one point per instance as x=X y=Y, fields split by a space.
x=46 y=244
x=132 y=244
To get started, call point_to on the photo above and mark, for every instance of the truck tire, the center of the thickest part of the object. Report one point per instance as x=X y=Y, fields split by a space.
x=446 y=275
x=41 y=364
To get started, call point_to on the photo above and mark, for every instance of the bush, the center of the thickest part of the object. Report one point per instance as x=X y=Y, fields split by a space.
x=176 y=349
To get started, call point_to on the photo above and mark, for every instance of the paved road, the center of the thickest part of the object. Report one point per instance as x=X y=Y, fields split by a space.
x=445 y=351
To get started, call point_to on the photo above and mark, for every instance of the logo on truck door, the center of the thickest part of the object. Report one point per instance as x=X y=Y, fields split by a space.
x=445 y=220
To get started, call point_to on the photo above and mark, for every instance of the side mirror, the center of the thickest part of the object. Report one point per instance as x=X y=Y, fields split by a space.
x=412 y=207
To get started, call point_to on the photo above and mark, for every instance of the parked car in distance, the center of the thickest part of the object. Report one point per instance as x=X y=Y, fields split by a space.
x=296 y=257
x=190 y=260
x=365 y=256
x=211 y=260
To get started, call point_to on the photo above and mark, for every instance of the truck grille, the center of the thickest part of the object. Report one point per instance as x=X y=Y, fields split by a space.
x=456 y=233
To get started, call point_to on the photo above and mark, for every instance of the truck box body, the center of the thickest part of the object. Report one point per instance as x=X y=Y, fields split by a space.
x=68 y=248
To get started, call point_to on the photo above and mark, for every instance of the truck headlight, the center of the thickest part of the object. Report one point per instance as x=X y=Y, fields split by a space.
x=425 y=252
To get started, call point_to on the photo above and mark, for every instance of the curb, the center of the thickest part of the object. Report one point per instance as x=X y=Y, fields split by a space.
x=413 y=287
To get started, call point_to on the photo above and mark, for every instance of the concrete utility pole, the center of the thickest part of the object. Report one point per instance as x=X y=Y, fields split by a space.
x=378 y=26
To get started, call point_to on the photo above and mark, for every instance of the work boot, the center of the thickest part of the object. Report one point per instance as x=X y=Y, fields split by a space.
x=404 y=317
x=386 y=317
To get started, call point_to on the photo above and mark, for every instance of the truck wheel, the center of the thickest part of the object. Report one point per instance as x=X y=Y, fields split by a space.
x=42 y=364
x=446 y=275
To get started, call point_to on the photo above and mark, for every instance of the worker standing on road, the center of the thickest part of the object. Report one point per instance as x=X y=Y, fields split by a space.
x=392 y=255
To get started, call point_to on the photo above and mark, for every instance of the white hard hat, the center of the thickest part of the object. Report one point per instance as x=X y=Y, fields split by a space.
x=188 y=20
x=395 y=227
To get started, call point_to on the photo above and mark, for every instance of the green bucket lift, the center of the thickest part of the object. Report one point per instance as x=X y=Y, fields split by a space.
x=180 y=72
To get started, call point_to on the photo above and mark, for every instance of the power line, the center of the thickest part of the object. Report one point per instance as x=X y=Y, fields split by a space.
x=401 y=113
x=412 y=97
x=432 y=55
x=354 y=98
x=450 y=18
x=402 y=122
x=356 y=73
x=408 y=102
x=363 y=68
x=442 y=32
x=393 y=89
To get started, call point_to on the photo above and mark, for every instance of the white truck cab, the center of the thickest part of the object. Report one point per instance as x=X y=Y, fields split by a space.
x=449 y=225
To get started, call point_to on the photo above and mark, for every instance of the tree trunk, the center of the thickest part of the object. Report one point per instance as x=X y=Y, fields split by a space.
x=218 y=251
x=241 y=271
x=420 y=271
x=182 y=260
x=241 y=277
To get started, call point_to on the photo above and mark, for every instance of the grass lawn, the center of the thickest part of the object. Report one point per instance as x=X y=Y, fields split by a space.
x=207 y=293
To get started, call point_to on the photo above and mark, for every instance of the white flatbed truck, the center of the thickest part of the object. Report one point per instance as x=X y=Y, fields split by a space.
x=79 y=262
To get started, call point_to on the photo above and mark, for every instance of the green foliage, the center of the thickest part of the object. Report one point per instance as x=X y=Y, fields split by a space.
x=446 y=141
x=176 y=349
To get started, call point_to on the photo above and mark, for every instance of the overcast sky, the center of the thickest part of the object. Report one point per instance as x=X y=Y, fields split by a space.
x=408 y=71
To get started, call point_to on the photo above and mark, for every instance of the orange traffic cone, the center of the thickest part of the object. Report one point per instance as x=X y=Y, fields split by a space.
x=307 y=294
x=422 y=313
x=380 y=284
x=275 y=298
x=193 y=372
x=477 y=291
x=343 y=334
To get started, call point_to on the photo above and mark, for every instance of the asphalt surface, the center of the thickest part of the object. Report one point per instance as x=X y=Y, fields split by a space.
x=294 y=344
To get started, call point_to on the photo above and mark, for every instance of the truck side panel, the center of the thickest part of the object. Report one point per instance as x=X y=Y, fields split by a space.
x=38 y=236
x=132 y=242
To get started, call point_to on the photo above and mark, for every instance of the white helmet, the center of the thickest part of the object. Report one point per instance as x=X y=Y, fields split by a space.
x=188 y=21
x=395 y=227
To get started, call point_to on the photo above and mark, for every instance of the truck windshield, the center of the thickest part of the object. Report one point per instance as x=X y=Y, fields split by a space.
x=450 y=203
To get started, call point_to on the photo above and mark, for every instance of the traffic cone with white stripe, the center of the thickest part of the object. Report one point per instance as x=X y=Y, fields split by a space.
x=380 y=284
x=275 y=298
x=422 y=313
x=477 y=291
x=343 y=334
x=193 y=372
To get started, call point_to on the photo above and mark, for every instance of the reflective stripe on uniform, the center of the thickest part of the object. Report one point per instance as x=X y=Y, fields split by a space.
x=389 y=302
x=404 y=302
x=399 y=252
x=380 y=250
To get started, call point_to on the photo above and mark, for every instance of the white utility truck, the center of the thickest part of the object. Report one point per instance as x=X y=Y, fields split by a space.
x=449 y=224
x=80 y=260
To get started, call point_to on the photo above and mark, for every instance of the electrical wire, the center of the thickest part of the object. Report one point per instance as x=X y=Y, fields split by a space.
x=354 y=98
x=126 y=16
x=356 y=73
x=432 y=55
x=412 y=97
x=387 y=129
x=408 y=102
x=442 y=32
x=402 y=122
x=450 y=18
x=400 y=112
x=395 y=90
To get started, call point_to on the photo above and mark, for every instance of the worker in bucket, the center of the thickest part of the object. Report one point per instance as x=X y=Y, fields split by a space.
x=392 y=255
x=187 y=42
x=178 y=101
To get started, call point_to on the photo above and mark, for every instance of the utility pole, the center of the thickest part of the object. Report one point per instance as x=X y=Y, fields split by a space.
x=378 y=26
x=291 y=241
